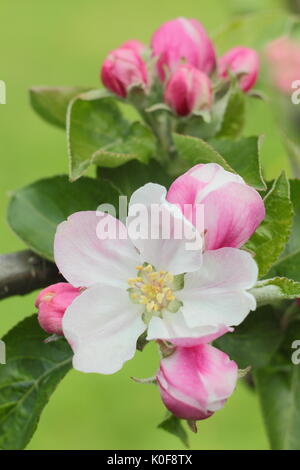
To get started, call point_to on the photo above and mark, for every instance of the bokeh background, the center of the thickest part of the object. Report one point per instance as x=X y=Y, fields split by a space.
x=63 y=42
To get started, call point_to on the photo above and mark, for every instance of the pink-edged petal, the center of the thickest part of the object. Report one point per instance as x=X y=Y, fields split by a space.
x=231 y=215
x=164 y=238
x=172 y=327
x=102 y=327
x=195 y=382
x=217 y=293
x=232 y=209
x=85 y=257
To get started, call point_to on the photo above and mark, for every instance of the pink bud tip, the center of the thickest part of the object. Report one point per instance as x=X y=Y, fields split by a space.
x=188 y=90
x=195 y=382
x=181 y=40
x=124 y=68
x=52 y=303
x=242 y=62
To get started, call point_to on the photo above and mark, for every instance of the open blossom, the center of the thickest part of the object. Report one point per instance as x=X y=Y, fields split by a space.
x=180 y=40
x=243 y=62
x=232 y=209
x=283 y=55
x=134 y=283
x=197 y=381
x=188 y=90
x=124 y=68
x=52 y=303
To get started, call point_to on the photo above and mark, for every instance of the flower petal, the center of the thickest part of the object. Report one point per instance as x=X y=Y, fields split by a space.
x=216 y=294
x=166 y=239
x=85 y=258
x=232 y=209
x=172 y=327
x=102 y=327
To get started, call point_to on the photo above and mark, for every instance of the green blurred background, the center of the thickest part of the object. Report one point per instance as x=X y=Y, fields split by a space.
x=63 y=42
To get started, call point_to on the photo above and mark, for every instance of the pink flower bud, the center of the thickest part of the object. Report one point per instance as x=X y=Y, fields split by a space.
x=182 y=40
x=283 y=55
x=134 y=45
x=240 y=61
x=188 y=90
x=122 y=69
x=52 y=303
x=195 y=382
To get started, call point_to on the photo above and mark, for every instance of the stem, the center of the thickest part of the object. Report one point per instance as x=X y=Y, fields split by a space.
x=24 y=271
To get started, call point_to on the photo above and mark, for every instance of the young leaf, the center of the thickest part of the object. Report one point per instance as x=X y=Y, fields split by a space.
x=255 y=341
x=270 y=239
x=51 y=103
x=243 y=156
x=173 y=425
x=32 y=371
x=234 y=116
x=194 y=151
x=278 y=288
x=278 y=387
x=98 y=133
x=35 y=210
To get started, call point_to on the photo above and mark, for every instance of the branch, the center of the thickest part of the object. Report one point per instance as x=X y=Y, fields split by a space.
x=24 y=271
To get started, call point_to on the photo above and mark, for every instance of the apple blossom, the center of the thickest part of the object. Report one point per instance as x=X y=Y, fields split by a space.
x=182 y=39
x=134 y=282
x=122 y=69
x=197 y=381
x=242 y=62
x=232 y=209
x=52 y=303
x=188 y=90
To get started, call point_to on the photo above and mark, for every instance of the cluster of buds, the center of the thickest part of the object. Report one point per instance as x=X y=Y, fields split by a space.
x=185 y=64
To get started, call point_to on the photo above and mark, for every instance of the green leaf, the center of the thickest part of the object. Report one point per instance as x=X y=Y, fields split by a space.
x=51 y=103
x=278 y=288
x=243 y=156
x=271 y=237
x=226 y=118
x=279 y=391
x=255 y=341
x=294 y=241
x=173 y=425
x=194 y=151
x=131 y=176
x=98 y=133
x=35 y=210
x=27 y=380
x=234 y=117
x=289 y=266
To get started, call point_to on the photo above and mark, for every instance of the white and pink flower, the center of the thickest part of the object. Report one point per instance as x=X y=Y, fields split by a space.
x=135 y=284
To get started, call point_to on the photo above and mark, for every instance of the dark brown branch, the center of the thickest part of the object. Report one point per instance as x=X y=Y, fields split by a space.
x=23 y=272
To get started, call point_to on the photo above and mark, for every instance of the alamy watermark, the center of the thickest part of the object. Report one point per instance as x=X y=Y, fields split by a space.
x=296 y=354
x=162 y=221
x=2 y=92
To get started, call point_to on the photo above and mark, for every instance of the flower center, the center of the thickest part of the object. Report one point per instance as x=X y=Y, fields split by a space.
x=154 y=289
